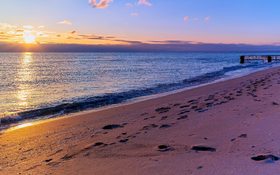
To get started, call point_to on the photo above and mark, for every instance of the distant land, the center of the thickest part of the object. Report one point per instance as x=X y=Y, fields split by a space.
x=168 y=46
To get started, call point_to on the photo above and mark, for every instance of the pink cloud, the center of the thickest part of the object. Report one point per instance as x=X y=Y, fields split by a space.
x=105 y=3
x=100 y=3
x=134 y=14
x=207 y=18
x=186 y=18
x=129 y=5
x=144 y=2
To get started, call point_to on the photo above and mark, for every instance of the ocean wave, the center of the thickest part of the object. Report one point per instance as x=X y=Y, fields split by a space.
x=115 y=98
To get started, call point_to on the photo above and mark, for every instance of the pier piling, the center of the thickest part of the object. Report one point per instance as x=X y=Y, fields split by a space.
x=242 y=59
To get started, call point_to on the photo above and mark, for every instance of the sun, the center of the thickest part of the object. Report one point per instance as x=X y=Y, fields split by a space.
x=29 y=38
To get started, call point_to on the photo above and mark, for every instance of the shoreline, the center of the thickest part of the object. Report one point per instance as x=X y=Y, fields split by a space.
x=129 y=101
x=157 y=136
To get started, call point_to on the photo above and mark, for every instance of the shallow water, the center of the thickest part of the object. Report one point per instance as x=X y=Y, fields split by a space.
x=45 y=84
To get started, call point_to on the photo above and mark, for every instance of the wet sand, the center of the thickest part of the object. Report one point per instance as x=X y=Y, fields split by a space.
x=230 y=127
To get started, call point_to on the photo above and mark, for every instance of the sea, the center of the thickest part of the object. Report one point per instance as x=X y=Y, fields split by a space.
x=36 y=86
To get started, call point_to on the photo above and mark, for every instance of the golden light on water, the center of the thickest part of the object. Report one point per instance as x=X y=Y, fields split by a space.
x=25 y=74
x=22 y=95
x=27 y=58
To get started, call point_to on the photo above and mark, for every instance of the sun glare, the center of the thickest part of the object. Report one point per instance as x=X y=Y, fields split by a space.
x=29 y=38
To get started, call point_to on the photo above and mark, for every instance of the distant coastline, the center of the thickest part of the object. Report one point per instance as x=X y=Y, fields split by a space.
x=167 y=46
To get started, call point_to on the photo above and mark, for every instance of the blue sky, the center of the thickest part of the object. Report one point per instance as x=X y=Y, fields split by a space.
x=209 y=21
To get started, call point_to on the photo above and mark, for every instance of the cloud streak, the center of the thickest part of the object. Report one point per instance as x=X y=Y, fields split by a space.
x=7 y=26
x=65 y=22
x=206 y=19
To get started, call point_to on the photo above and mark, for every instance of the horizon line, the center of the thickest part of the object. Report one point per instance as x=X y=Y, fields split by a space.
x=169 y=46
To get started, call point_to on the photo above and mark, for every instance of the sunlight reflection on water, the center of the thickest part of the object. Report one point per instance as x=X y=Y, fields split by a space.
x=25 y=74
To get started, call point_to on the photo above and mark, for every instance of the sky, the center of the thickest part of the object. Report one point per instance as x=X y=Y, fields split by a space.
x=128 y=22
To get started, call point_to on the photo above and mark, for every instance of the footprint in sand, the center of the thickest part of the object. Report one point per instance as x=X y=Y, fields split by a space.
x=123 y=141
x=269 y=157
x=165 y=148
x=163 y=110
x=164 y=118
x=148 y=127
x=183 y=117
x=203 y=149
x=165 y=126
x=112 y=126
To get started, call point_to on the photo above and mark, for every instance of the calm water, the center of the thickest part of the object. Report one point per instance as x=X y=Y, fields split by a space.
x=46 y=84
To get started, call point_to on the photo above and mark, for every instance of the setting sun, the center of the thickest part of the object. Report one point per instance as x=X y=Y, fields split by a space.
x=29 y=38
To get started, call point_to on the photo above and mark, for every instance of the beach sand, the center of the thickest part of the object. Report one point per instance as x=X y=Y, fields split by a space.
x=216 y=129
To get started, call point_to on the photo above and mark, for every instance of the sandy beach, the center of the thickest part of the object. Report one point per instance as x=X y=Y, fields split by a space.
x=229 y=127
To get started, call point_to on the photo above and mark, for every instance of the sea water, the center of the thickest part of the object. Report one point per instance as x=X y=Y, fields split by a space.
x=39 y=85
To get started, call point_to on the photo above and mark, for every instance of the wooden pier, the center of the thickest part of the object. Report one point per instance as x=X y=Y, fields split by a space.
x=267 y=58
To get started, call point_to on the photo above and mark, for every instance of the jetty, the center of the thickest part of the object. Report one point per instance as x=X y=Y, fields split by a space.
x=266 y=58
